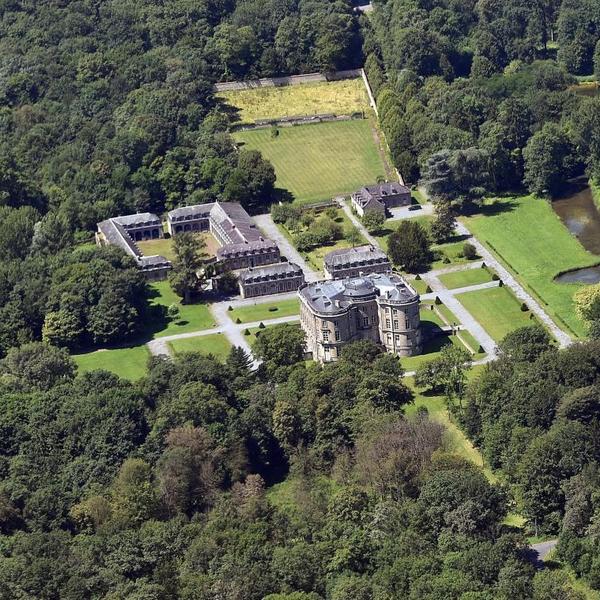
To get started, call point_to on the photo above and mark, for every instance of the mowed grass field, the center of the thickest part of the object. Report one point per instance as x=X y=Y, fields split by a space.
x=320 y=161
x=265 y=310
x=497 y=310
x=164 y=246
x=527 y=235
x=192 y=317
x=460 y=279
x=338 y=97
x=129 y=363
x=216 y=344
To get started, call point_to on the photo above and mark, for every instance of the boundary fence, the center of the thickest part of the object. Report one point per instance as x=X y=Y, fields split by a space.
x=230 y=86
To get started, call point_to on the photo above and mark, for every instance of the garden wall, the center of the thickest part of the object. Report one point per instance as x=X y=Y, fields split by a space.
x=230 y=86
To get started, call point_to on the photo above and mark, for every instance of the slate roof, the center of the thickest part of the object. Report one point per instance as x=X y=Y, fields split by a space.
x=373 y=194
x=116 y=235
x=187 y=213
x=235 y=222
x=270 y=272
x=361 y=255
x=137 y=220
x=337 y=296
x=246 y=248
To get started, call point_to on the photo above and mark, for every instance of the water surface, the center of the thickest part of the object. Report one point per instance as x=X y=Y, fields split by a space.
x=581 y=216
x=586 y=275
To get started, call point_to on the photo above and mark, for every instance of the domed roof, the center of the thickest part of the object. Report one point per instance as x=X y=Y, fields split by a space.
x=359 y=286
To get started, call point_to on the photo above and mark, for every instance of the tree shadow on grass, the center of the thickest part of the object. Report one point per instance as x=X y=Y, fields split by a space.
x=233 y=112
x=497 y=207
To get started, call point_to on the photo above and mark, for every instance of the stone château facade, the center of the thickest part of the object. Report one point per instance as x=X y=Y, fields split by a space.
x=271 y=279
x=242 y=243
x=353 y=262
x=378 y=307
x=380 y=198
x=125 y=231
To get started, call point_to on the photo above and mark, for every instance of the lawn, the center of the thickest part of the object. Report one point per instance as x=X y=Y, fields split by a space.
x=129 y=363
x=460 y=279
x=215 y=343
x=192 y=317
x=497 y=310
x=525 y=233
x=164 y=246
x=447 y=314
x=338 y=97
x=419 y=286
x=320 y=161
x=265 y=310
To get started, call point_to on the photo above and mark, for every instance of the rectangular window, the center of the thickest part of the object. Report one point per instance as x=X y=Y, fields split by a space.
x=366 y=321
x=395 y=324
x=395 y=312
x=389 y=338
x=397 y=337
x=387 y=323
x=326 y=336
x=337 y=336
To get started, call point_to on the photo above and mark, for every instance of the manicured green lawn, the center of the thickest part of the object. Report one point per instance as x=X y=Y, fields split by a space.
x=419 y=286
x=460 y=279
x=266 y=310
x=216 y=344
x=320 y=161
x=525 y=233
x=451 y=251
x=467 y=337
x=129 y=363
x=338 y=97
x=162 y=247
x=430 y=318
x=496 y=309
x=192 y=317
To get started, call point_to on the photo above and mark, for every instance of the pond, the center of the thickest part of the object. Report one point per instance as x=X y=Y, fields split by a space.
x=587 y=275
x=581 y=216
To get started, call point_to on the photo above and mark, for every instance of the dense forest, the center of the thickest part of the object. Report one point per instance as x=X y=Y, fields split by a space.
x=474 y=97
x=107 y=108
x=206 y=480
x=164 y=488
